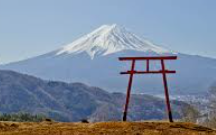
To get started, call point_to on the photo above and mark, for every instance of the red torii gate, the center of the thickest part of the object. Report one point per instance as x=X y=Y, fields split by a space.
x=163 y=71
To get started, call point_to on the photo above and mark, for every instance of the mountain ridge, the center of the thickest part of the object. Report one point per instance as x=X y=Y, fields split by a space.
x=74 y=101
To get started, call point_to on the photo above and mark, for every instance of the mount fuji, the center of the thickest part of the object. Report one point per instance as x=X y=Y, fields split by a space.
x=93 y=59
x=109 y=39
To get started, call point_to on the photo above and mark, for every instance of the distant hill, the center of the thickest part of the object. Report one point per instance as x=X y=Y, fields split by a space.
x=73 y=102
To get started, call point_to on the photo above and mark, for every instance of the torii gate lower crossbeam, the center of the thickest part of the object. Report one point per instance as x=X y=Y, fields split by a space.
x=163 y=71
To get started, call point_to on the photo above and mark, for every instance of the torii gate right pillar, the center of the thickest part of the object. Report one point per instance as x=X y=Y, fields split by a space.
x=166 y=91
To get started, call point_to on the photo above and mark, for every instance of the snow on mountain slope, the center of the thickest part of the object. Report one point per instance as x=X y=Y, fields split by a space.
x=109 y=39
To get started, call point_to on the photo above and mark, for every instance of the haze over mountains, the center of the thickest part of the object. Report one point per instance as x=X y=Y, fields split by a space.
x=93 y=59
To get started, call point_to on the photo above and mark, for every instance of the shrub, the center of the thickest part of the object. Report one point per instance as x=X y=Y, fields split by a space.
x=22 y=117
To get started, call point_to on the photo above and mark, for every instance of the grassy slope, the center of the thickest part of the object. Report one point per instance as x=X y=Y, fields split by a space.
x=103 y=128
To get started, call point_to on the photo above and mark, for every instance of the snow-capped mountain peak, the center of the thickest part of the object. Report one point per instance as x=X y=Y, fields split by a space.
x=72 y=63
x=109 y=39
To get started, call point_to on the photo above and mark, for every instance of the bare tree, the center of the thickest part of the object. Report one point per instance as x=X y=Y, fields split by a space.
x=190 y=114
x=211 y=119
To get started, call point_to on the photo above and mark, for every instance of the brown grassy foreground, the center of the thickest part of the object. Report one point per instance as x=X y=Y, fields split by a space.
x=103 y=128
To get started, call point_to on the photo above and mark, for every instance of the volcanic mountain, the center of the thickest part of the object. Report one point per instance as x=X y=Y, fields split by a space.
x=93 y=59
x=109 y=39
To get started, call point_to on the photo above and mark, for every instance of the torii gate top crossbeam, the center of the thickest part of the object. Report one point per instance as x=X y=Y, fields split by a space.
x=149 y=58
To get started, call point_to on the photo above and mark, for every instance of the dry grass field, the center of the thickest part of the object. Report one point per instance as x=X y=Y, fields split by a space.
x=103 y=128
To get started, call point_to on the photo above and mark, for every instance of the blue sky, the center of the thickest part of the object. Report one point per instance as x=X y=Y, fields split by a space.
x=33 y=27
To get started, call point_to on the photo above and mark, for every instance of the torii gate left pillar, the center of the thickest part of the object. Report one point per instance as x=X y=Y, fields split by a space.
x=163 y=71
